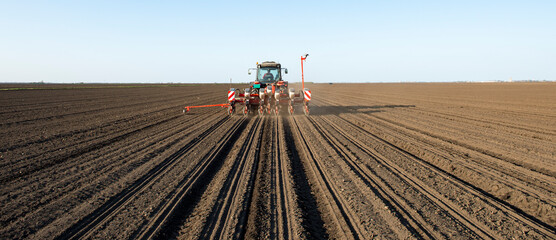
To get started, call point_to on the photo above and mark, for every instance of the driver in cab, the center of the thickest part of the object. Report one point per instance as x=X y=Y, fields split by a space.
x=268 y=75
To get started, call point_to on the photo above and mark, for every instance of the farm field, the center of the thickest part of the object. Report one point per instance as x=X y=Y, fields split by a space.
x=388 y=160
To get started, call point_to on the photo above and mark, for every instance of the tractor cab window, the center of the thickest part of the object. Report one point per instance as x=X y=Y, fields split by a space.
x=268 y=75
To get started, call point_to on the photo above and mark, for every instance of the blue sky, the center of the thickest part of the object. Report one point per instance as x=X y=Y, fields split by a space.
x=213 y=41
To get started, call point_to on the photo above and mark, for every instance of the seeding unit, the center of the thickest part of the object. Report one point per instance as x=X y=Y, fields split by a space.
x=268 y=94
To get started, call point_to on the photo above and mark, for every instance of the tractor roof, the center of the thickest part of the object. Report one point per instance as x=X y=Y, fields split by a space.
x=269 y=64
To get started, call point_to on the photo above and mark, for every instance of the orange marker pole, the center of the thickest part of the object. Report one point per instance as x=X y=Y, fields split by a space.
x=302 y=77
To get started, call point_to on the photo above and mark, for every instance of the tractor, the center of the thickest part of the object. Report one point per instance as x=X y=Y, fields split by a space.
x=267 y=94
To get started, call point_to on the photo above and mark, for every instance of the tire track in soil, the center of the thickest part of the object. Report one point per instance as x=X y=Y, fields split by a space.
x=284 y=207
x=115 y=127
x=490 y=169
x=125 y=222
x=516 y=161
x=69 y=181
x=68 y=189
x=87 y=225
x=256 y=200
x=495 y=172
x=500 y=175
x=312 y=222
x=511 y=211
x=342 y=218
x=499 y=151
x=55 y=160
x=170 y=215
x=262 y=223
x=84 y=130
x=228 y=218
x=102 y=109
x=128 y=130
x=273 y=209
x=144 y=108
x=424 y=228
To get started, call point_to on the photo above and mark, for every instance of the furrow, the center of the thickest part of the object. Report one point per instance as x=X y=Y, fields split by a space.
x=343 y=218
x=70 y=184
x=490 y=169
x=96 y=219
x=521 y=179
x=244 y=165
x=31 y=167
x=430 y=194
x=284 y=204
x=169 y=215
x=81 y=113
x=477 y=193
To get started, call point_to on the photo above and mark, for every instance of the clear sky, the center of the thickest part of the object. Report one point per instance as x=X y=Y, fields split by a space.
x=213 y=41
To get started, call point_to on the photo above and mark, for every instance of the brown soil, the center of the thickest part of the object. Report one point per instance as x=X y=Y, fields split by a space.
x=427 y=160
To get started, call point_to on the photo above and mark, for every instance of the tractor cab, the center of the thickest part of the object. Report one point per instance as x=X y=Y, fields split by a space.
x=268 y=73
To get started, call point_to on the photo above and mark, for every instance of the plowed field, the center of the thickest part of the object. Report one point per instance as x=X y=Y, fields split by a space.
x=394 y=161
